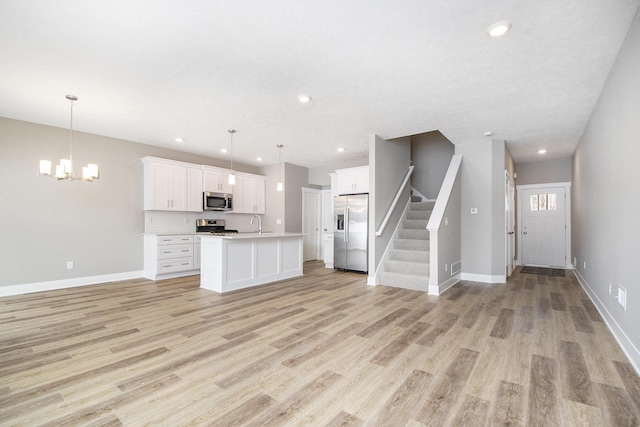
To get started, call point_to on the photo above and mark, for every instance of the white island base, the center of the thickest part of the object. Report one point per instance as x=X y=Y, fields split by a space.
x=239 y=261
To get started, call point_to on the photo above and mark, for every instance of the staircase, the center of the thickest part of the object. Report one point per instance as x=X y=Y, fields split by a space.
x=406 y=264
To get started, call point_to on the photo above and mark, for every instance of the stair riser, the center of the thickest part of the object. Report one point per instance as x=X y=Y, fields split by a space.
x=413 y=234
x=402 y=281
x=411 y=256
x=406 y=268
x=418 y=215
x=414 y=224
x=411 y=244
x=421 y=206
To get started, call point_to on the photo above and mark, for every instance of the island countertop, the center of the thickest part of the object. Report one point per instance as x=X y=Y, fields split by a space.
x=252 y=235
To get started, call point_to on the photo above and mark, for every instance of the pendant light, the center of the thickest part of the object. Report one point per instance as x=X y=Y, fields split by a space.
x=280 y=186
x=232 y=175
x=64 y=170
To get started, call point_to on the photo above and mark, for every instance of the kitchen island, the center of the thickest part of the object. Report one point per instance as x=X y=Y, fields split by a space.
x=242 y=260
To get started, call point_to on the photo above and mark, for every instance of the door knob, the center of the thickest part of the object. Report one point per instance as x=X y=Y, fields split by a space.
x=524 y=232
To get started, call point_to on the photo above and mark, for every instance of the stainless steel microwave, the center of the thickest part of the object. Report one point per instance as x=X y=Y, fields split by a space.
x=217 y=201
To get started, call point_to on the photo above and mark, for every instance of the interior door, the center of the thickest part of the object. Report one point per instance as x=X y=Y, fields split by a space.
x=510 y=222
x=543 y=226
x=311 y=241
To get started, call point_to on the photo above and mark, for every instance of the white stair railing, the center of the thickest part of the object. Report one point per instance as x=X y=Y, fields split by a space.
x=395 y=202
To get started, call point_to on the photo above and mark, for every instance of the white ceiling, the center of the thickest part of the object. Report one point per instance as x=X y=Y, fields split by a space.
x=150 y=71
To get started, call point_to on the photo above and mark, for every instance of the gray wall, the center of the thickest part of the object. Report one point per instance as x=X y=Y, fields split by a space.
x=606 y=196
x=46 y=222
x=388 y=165
x=482 y=170
x=544 y=172
x=431 y=153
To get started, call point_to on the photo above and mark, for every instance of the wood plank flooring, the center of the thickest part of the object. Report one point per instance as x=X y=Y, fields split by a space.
x=320 y=350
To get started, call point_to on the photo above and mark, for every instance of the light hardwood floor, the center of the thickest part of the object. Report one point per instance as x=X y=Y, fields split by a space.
x=321 y=350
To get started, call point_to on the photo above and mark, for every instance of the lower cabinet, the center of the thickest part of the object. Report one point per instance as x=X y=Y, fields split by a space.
x=327 y=248
x=167 y=256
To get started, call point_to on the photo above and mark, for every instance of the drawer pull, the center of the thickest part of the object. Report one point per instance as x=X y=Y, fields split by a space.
x=186 y=263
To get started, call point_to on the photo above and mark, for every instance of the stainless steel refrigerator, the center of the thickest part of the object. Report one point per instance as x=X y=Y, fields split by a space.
x=350 y=238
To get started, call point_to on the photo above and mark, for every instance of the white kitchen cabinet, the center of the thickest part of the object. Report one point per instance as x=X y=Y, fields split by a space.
x=196 y=252
x=194 y=189
x=327 y=211
x=327 y=249
x=334 y=184
x=216 y=180
x=249 y=195
x=353 y=180
x=171 y=185
x=168 y=256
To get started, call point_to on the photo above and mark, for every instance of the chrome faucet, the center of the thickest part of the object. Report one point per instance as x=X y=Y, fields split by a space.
x=259 y=222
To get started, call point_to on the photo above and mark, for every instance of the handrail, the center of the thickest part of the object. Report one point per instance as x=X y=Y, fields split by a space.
x=395 y=202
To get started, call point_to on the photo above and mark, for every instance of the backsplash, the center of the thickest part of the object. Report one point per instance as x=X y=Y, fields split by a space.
x=159 y=222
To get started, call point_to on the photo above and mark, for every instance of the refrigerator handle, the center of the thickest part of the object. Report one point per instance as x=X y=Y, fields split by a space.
x=346 y=224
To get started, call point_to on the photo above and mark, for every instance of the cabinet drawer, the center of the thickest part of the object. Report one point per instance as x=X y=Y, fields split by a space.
x=177 y=264
x=170 y=240
x=175 y=251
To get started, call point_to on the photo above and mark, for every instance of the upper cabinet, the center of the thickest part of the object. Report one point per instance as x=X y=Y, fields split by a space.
x=171 y=185
x=249 y=194
x=353 y=180
x=216 y=180
x=177 y=186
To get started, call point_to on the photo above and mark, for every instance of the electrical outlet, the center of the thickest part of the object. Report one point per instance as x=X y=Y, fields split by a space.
x=69 y=265
x=473 y=211
x=584 y=265
x=609 y=288
x=278 y=221
x=622 y=297
x=446 y=267
x=575 y=261
x=446 y=221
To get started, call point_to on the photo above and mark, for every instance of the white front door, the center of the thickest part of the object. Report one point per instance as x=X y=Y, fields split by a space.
x=311 y=224
x=543 y=228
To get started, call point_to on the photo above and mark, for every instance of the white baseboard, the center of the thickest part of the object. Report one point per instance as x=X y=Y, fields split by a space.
x=484 y=278
x=629 y=349
x=28 y=288
x=439 y=289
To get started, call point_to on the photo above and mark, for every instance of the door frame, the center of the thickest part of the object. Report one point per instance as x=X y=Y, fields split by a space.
x=521 y=203
x=318 y=239
x=509 y=217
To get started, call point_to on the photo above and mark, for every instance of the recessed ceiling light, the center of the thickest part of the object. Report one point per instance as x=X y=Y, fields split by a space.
x=341 y=149
x=224 y=150
x=259 y=159
x=179 y=140
x=488 y=133
x=499 y=28
x=542 y=151
x=304 y=99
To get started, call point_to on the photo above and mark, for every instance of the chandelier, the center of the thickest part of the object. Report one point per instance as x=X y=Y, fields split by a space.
x=64 y=170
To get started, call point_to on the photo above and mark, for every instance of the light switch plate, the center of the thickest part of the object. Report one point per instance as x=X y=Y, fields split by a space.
x=474 y=211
